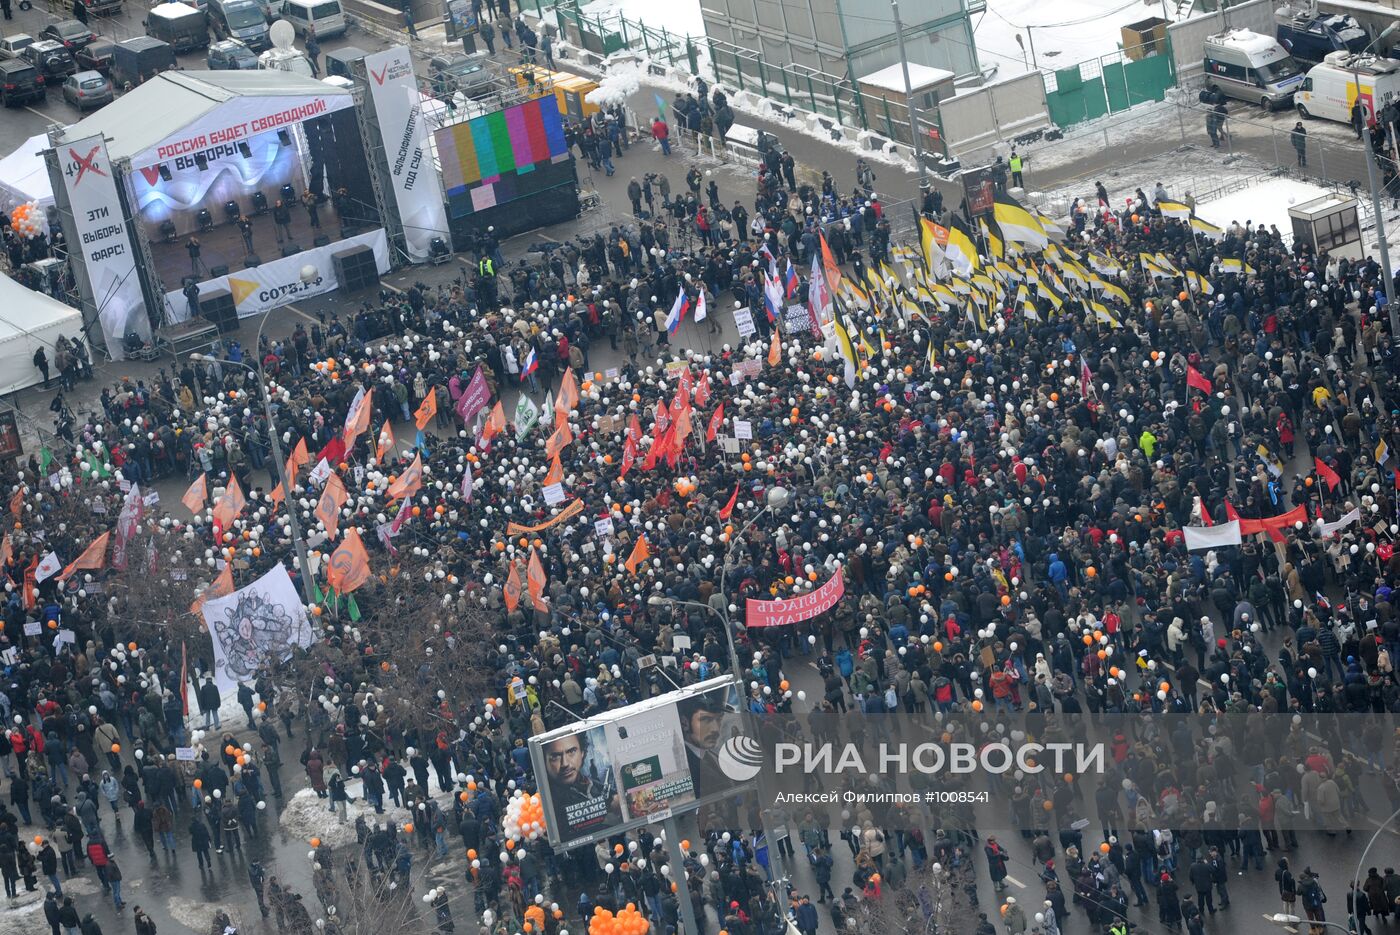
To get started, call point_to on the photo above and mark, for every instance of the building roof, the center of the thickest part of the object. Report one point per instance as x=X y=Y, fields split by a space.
x=160 y=108
x=920 y=76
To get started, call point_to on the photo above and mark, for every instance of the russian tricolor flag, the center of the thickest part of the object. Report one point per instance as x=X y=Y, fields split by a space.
x=772 y=297
x=790 y=281
x=532 y=363
x=677 y=313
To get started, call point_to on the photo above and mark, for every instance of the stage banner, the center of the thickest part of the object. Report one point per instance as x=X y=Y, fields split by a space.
x=281 y=282
x=393 y=91
x=261 y=621
x=102 y=240
x=796 y=609
x=242 y=118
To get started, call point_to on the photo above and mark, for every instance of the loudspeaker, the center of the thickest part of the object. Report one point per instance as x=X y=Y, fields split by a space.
x=218 y=308
x=288 y=249
x=216 y=271
x=321 y=241
x=251 y=260
x=355 y=269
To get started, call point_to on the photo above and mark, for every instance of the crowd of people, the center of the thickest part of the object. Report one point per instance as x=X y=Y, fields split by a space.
x=999 y=454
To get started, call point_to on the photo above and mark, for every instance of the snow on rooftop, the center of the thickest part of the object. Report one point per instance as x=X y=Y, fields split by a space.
x=920 y=76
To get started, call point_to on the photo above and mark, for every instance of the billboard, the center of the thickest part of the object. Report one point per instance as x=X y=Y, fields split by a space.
x=639 y=764
x=502 y=156
x=460 y=20
x=979 y=188
x=393 y=90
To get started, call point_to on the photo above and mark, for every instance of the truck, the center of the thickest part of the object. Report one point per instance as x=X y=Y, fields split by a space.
x=1331 y=89
x=180 y=25
x=137 y=59
x=1251 y=67
x=1309 y=36
x=291 y=60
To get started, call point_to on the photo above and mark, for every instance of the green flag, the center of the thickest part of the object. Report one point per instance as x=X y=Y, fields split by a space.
x=353 y=608
x=45 y=459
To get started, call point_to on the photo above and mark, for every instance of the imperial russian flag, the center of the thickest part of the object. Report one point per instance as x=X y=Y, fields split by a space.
x=532 y=363
x=677 y=313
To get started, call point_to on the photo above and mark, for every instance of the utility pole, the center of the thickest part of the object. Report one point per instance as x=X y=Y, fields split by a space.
x=914 y=132
x=1387 y=271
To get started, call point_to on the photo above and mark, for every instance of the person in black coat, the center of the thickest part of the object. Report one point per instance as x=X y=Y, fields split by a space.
x=199 y=842
x=80 y=12
x=51 y=912
x=68 y=914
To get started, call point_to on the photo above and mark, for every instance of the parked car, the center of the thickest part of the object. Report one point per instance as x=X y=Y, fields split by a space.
x=230 y=55
x=96 y=56
x=52 y=59
x=12 y=46
x=20 y=82
x=459 y=72
x=73 y=34
x=103 y=7
x=180 y=25
x=325 y=16
x=88 y=89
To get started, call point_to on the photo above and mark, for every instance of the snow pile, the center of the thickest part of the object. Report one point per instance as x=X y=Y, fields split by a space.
x=675 y=16
x=1266 y=204
x=1062 y=33
x=616 y=86
x=26 y=916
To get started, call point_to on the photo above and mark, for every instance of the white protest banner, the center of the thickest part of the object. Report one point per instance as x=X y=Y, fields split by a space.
x=261 y=621
x=1212 y=537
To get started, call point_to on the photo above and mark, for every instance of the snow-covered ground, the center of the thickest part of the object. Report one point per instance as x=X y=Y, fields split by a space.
x=1063 y=33
x=675 y=16
x=1265 y=204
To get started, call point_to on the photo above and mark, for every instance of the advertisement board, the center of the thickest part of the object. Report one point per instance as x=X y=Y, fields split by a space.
x=393 y=92
x=460 y=19
x=639 y=764
x=10 y=444
x=979 y=187
x=102 y=239
x=280 y=282
x=502 y=156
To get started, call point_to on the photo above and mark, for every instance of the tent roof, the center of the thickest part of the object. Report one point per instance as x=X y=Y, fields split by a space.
x=158 y=109
x=29 y=321
x=23 y=172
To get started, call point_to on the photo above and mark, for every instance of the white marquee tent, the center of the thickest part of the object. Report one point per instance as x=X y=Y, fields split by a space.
x=29 y=321
x=24 y=177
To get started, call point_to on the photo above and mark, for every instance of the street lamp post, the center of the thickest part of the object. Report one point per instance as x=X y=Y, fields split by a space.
x=909 y=99
x=297 y=542
x=1387 y=272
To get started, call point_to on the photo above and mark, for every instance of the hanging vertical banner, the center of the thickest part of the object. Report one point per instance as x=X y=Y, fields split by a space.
x=393 y=91
x=102 y=239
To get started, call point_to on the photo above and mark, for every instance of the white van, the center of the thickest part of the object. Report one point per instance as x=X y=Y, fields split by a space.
x=1330 y=89
x=1251 y=67
x=324 y=16
x=291 y=60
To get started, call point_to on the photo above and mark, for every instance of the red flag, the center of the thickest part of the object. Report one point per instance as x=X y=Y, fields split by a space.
x=702 y=389
x=729 y=507
x=333 y=453
x=1231 y=514
x=1205 y=513
x=634 y=429
x=716 y=421
x=1325 y=472
x=1086 y=379
x=1194 y=378
x=629 y=455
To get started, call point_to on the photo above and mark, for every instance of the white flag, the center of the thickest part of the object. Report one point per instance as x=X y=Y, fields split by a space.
x=467 y=483
x=1212 y=537
x=48 y=566
x=1328 y=530
x=700 y=310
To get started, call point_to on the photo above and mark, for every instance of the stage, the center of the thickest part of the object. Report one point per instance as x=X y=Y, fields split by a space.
x=222 y=245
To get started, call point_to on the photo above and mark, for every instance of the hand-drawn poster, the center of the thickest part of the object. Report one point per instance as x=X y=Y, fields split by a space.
x=261 y=621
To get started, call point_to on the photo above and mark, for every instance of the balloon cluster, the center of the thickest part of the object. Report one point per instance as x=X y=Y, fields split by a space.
x=27 y=220
x=627 y=921
x=524 y=817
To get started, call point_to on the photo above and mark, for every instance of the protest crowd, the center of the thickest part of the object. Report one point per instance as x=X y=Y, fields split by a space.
x=1118 y=463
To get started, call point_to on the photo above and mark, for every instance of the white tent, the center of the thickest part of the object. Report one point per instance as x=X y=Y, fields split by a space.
x=29 y=321
x=24 y=177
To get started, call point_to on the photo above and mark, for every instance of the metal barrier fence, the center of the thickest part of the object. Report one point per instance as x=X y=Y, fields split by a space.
x=793 y=84
x=1108 y=84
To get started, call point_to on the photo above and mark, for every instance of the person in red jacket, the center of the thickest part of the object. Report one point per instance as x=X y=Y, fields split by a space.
x=662 y=134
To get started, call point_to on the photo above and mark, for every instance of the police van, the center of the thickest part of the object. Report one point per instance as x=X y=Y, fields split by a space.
x=1330 y=89
x=1251 y=67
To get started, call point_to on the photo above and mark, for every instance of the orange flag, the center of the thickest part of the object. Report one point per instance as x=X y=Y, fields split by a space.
x=511 y=592
x=775 y=350
x=94 y=556
x=277 y=496
x=194 y=497
x=535 y=578
x=333 y=497
x=7 y=552
x=385 y=443
x=408 y=483
x=556 y=472
x=426 y=409
x=495 y=422
x=558 y=440
x=640 y=553
x=567 y=398
x=357 y=419
x=221 y=586
x=17 y=502
x=299 y=457
x=349 y=564
x=230 y=506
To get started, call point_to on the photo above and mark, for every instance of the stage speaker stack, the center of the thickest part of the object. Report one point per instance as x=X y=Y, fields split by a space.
x=216 y=271
x=321 y=241
x=218 y=308
x=252 y=260
x=355 y=269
